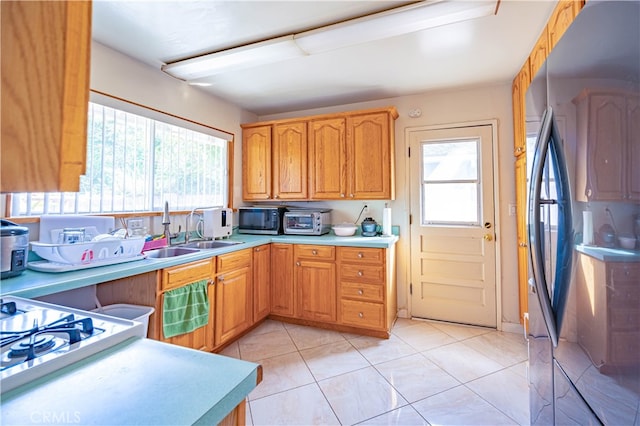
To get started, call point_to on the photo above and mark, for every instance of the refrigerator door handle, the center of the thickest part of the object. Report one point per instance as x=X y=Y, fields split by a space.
x=535 y=233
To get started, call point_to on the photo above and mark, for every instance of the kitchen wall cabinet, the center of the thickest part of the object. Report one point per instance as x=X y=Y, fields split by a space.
x=179 y=276
x=518 y=90
x=290 y=161
x=261 y=282
x=234 y=294
x=607 y=123
x=328 y=158
x=256 y=163
x=315 y=283
x=282 y=287
x=347 y=155
x=608 y=315
x=44 y=94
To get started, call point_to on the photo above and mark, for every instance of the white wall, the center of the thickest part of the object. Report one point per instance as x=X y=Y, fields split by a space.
x=451 y=106
x=124 y=77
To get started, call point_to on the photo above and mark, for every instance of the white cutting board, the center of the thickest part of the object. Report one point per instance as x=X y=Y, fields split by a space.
x=49 y=223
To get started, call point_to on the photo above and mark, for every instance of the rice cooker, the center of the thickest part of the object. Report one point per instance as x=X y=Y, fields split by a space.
x=14 y=248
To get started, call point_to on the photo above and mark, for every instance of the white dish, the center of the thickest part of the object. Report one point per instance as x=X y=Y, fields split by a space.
x=345 y=229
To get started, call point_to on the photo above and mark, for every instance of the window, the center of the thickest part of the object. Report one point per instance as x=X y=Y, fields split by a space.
x=136 y=163
x=450 y=182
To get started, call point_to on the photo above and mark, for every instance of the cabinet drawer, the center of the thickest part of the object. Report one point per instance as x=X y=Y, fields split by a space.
x=359 y=254
x=625 y=273
x=625 y=347
x=188 y=273
x=361 y=273
x=624 y=295
x=237 y=259
x=362 y=314
x=315 y=252
x=625 y=319
x=366 y=292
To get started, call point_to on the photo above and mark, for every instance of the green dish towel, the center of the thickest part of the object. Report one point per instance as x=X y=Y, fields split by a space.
x=185 y=309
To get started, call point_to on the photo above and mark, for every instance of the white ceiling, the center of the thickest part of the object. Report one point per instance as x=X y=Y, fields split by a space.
x=483 y=51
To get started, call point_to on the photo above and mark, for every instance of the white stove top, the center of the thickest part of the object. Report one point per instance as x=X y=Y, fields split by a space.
x=40 y=338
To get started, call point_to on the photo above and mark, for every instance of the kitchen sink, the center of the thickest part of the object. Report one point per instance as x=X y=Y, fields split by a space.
x=211 y=244
x=170 y=252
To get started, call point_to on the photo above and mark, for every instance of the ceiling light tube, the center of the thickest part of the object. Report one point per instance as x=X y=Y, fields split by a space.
x=274 y=50
x=391 y=23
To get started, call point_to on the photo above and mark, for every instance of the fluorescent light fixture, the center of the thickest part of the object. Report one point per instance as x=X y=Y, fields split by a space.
x=391 y=23
x=251 y=55
x=394 y=22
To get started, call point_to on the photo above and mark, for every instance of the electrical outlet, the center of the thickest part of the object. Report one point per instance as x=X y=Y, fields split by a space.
x=365 y=208
x=135 y=223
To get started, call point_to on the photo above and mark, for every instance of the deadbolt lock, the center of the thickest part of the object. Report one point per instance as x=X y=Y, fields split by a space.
x=487 y=225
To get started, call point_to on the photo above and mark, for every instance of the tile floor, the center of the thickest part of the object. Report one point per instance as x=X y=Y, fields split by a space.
x=426 y=373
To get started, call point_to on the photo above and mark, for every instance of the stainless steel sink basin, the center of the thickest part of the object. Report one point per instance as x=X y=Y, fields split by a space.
x=170 y=252
x=211 y=244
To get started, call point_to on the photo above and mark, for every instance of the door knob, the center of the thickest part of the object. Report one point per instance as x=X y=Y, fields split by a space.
x=488 y=237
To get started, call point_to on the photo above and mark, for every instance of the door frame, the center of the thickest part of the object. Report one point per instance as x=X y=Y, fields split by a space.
x=496 y=202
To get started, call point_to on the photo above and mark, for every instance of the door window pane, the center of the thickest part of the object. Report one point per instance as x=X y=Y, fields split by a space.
x=450 y=182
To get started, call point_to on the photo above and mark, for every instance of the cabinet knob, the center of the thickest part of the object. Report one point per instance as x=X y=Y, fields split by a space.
x=211 y=282
x=221 y=279
x=360 y=273
x=297 y=263
x=257 y=249
x=360 y=255
x=276 y=196
x=360 y=292
x=351 y=195
x=342 y=195
x=360 y=314
x=314 y=252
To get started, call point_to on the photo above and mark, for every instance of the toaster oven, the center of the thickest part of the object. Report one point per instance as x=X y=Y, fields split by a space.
x=307 y=222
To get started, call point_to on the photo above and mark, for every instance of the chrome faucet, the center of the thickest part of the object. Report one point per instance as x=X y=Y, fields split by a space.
x=166 y=221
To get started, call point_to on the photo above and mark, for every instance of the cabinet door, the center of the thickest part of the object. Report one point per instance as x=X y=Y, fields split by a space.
x=261 y=282
x=282 y=290
x=606 y=147
x=234 y=312
x=521 y=229
x=519 y=90
x=539 y=53
x=44 y=94
x=200 y=338
x=290 y=161
x=561 y=18
x=633 y=140
x=370 y=167
x=327 y=159
x=256 y=163
x=316 y=290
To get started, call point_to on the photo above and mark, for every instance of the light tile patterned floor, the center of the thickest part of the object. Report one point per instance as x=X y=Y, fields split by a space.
x=426 y=373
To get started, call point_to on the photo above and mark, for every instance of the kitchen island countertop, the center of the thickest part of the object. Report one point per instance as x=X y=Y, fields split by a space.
x=139 y=381
x=607 y=254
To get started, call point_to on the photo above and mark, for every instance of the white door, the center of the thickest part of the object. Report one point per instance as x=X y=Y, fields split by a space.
x=453 y=250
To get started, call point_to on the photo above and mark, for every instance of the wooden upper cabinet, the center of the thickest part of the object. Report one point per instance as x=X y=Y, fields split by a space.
x=290 y=161
x=519 y=90
x=45 y=94
x=561 y=18
x=328 y=158
x=370 y=156
x=346 y=155
x=539 y=53
x=256 y=163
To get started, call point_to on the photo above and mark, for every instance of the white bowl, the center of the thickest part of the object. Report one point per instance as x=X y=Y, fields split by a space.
x=627 y=242
x=345 y=229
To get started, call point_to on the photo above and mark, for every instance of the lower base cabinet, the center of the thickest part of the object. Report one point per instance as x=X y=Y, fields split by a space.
x=315 y=283
x=234 y=295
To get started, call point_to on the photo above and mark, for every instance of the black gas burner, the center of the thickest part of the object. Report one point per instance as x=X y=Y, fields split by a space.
x=8 y=308
x=74 y=329
x=33 y=346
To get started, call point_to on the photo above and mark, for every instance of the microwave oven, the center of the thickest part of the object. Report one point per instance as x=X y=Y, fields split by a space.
x=261 y=220
x=307 y=222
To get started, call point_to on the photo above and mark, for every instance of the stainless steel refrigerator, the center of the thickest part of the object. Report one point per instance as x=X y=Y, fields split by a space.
x=583 y=126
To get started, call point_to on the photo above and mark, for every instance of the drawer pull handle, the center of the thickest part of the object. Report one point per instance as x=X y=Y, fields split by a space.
x=360 y=314
x=360 y=273
x=221 y=279
x=360 y=292
x=314 y=252
x=297 y=263
x=360 y=255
